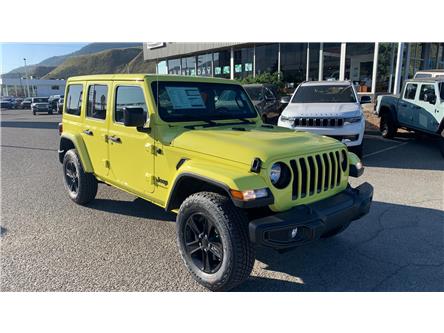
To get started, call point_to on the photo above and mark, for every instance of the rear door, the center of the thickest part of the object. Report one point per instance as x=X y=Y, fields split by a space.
x=407 y=104
x=95 y=125
x=130 y=150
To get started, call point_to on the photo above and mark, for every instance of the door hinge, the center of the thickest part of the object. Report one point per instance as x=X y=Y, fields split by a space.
x=107 y=164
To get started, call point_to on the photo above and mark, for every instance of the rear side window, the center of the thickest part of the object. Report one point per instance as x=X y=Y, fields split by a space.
x=74 y=99
x=410 y=91
x=129 y=97
x=97 y=99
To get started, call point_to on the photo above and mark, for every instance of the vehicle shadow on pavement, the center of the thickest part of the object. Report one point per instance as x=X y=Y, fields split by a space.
x=394 y=248
x=137 y=208
x=406 y=151
x=30 y=124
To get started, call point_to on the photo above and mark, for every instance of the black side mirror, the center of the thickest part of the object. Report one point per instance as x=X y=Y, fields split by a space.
x=134 y=117
x=366 y=100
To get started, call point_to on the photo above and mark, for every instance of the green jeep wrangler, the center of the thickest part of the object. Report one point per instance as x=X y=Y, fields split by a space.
x=197 y=147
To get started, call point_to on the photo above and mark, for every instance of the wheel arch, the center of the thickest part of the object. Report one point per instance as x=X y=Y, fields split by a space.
x=69 y=141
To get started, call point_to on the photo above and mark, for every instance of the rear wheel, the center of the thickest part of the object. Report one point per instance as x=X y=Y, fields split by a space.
x=81 y=186
x=387 y=127
x=212 y=236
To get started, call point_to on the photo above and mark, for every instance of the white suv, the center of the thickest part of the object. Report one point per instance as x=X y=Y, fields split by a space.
x=328 y=108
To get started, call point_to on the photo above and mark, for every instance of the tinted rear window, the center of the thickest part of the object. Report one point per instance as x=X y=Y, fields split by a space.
x=74 y=99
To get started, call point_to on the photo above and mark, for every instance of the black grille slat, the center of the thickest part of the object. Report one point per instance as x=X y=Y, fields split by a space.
x=313 y=173
x=303 y=177
x=338 y=169
x=294 y=168
x=333 y=169
x=319 y=122
x=319 y=173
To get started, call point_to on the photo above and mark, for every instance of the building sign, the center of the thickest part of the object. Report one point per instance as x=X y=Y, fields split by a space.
x=217 y=70
x=226 y=70
x=248 y=67
x=238 y=68
x=154 y=45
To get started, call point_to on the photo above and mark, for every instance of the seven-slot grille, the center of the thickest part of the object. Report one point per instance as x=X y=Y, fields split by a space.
x=318 y=122
x=317 y=173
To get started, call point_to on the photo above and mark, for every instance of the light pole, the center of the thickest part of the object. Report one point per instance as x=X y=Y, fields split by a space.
x=27 y=81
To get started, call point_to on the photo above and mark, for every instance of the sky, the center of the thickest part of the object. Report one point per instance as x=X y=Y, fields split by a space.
x=12 y=54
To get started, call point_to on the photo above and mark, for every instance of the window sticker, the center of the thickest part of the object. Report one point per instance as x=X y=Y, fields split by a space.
x=185 y=97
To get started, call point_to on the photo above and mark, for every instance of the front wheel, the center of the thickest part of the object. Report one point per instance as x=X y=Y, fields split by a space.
x=81 y=186
x=212 y=236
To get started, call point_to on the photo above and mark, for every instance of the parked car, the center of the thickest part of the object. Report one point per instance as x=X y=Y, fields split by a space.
x=266 y=100
x=53 y=100
x=60 y=105
x=40 y=104
x=18 y=102
x=330 y=108
x=201 y=150
x=26 y=103
x=424 y=74
x=419 y=107
x=6 y=104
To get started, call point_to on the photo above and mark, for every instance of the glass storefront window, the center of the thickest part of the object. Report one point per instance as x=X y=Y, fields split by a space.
x=221 y=62
x=189 y=66
x=359 y=65
x=294 y=62
x=313 y=67
x=266 y=58
x=385 y=77
x=162 y=67
x=243 y=63
x=332 y=59
x=174 y=66
x=205 y=65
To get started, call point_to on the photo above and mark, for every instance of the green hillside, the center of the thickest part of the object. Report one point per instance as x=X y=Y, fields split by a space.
x=105 y=62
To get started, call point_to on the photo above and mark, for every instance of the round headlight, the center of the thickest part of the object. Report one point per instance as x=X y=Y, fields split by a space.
x=275 y=173
x=280 y=175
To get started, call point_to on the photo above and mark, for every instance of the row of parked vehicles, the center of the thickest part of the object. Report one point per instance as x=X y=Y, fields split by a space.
x=50 y=105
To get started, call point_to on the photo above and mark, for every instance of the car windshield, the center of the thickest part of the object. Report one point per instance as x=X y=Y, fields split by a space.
x=195 y=101
x=40 y=100
x=255 y=93
x=324 y=94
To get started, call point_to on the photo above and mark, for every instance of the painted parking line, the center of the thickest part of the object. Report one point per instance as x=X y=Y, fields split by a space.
x=385 y=149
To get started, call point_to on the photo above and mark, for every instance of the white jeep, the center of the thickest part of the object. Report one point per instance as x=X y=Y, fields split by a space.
x=328 y=108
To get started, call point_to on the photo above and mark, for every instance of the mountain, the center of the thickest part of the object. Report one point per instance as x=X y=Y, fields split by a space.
x=122 y=60
x=87 y=49
x=46 y=66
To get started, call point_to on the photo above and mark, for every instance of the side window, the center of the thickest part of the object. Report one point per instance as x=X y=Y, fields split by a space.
x=128 y=96
x=410 y=91
x=269 y=94
x=74 y=99
x=426 y=89
x=97 y=99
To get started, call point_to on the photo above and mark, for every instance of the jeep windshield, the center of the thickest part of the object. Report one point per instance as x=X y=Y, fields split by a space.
x=324 y=94
x=40 y=100
x=201 y=101
x=441 y=91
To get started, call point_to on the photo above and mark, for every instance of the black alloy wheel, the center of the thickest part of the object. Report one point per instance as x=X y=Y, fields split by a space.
x=72 y=177
x=203 y=243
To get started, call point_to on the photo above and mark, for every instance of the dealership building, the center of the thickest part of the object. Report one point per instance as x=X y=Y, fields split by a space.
x=23 y=87
x=375 y=68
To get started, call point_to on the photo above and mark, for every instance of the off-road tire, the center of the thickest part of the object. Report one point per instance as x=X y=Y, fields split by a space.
x=387 y=127
x=33 y=112
x=232 y=225
x=50 y=112
x=86 y=184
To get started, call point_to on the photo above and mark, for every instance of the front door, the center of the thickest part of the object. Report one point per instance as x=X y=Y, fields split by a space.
x=425 y=113
x=95 y=126
x=130 y=150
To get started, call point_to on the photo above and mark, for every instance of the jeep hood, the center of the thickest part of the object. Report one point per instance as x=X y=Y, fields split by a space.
x=245 y=146
x=322 y=110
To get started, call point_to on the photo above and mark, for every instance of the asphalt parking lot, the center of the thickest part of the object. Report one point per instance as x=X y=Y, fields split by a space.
x=121 y=243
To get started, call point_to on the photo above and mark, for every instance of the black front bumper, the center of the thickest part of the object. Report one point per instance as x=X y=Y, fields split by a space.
x=312 y=221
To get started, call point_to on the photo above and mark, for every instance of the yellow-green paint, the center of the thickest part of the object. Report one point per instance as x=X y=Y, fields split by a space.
x=216 y=153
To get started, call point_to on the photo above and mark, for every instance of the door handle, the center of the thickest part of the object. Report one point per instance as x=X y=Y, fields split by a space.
x=115 y=139
x=88 y=132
